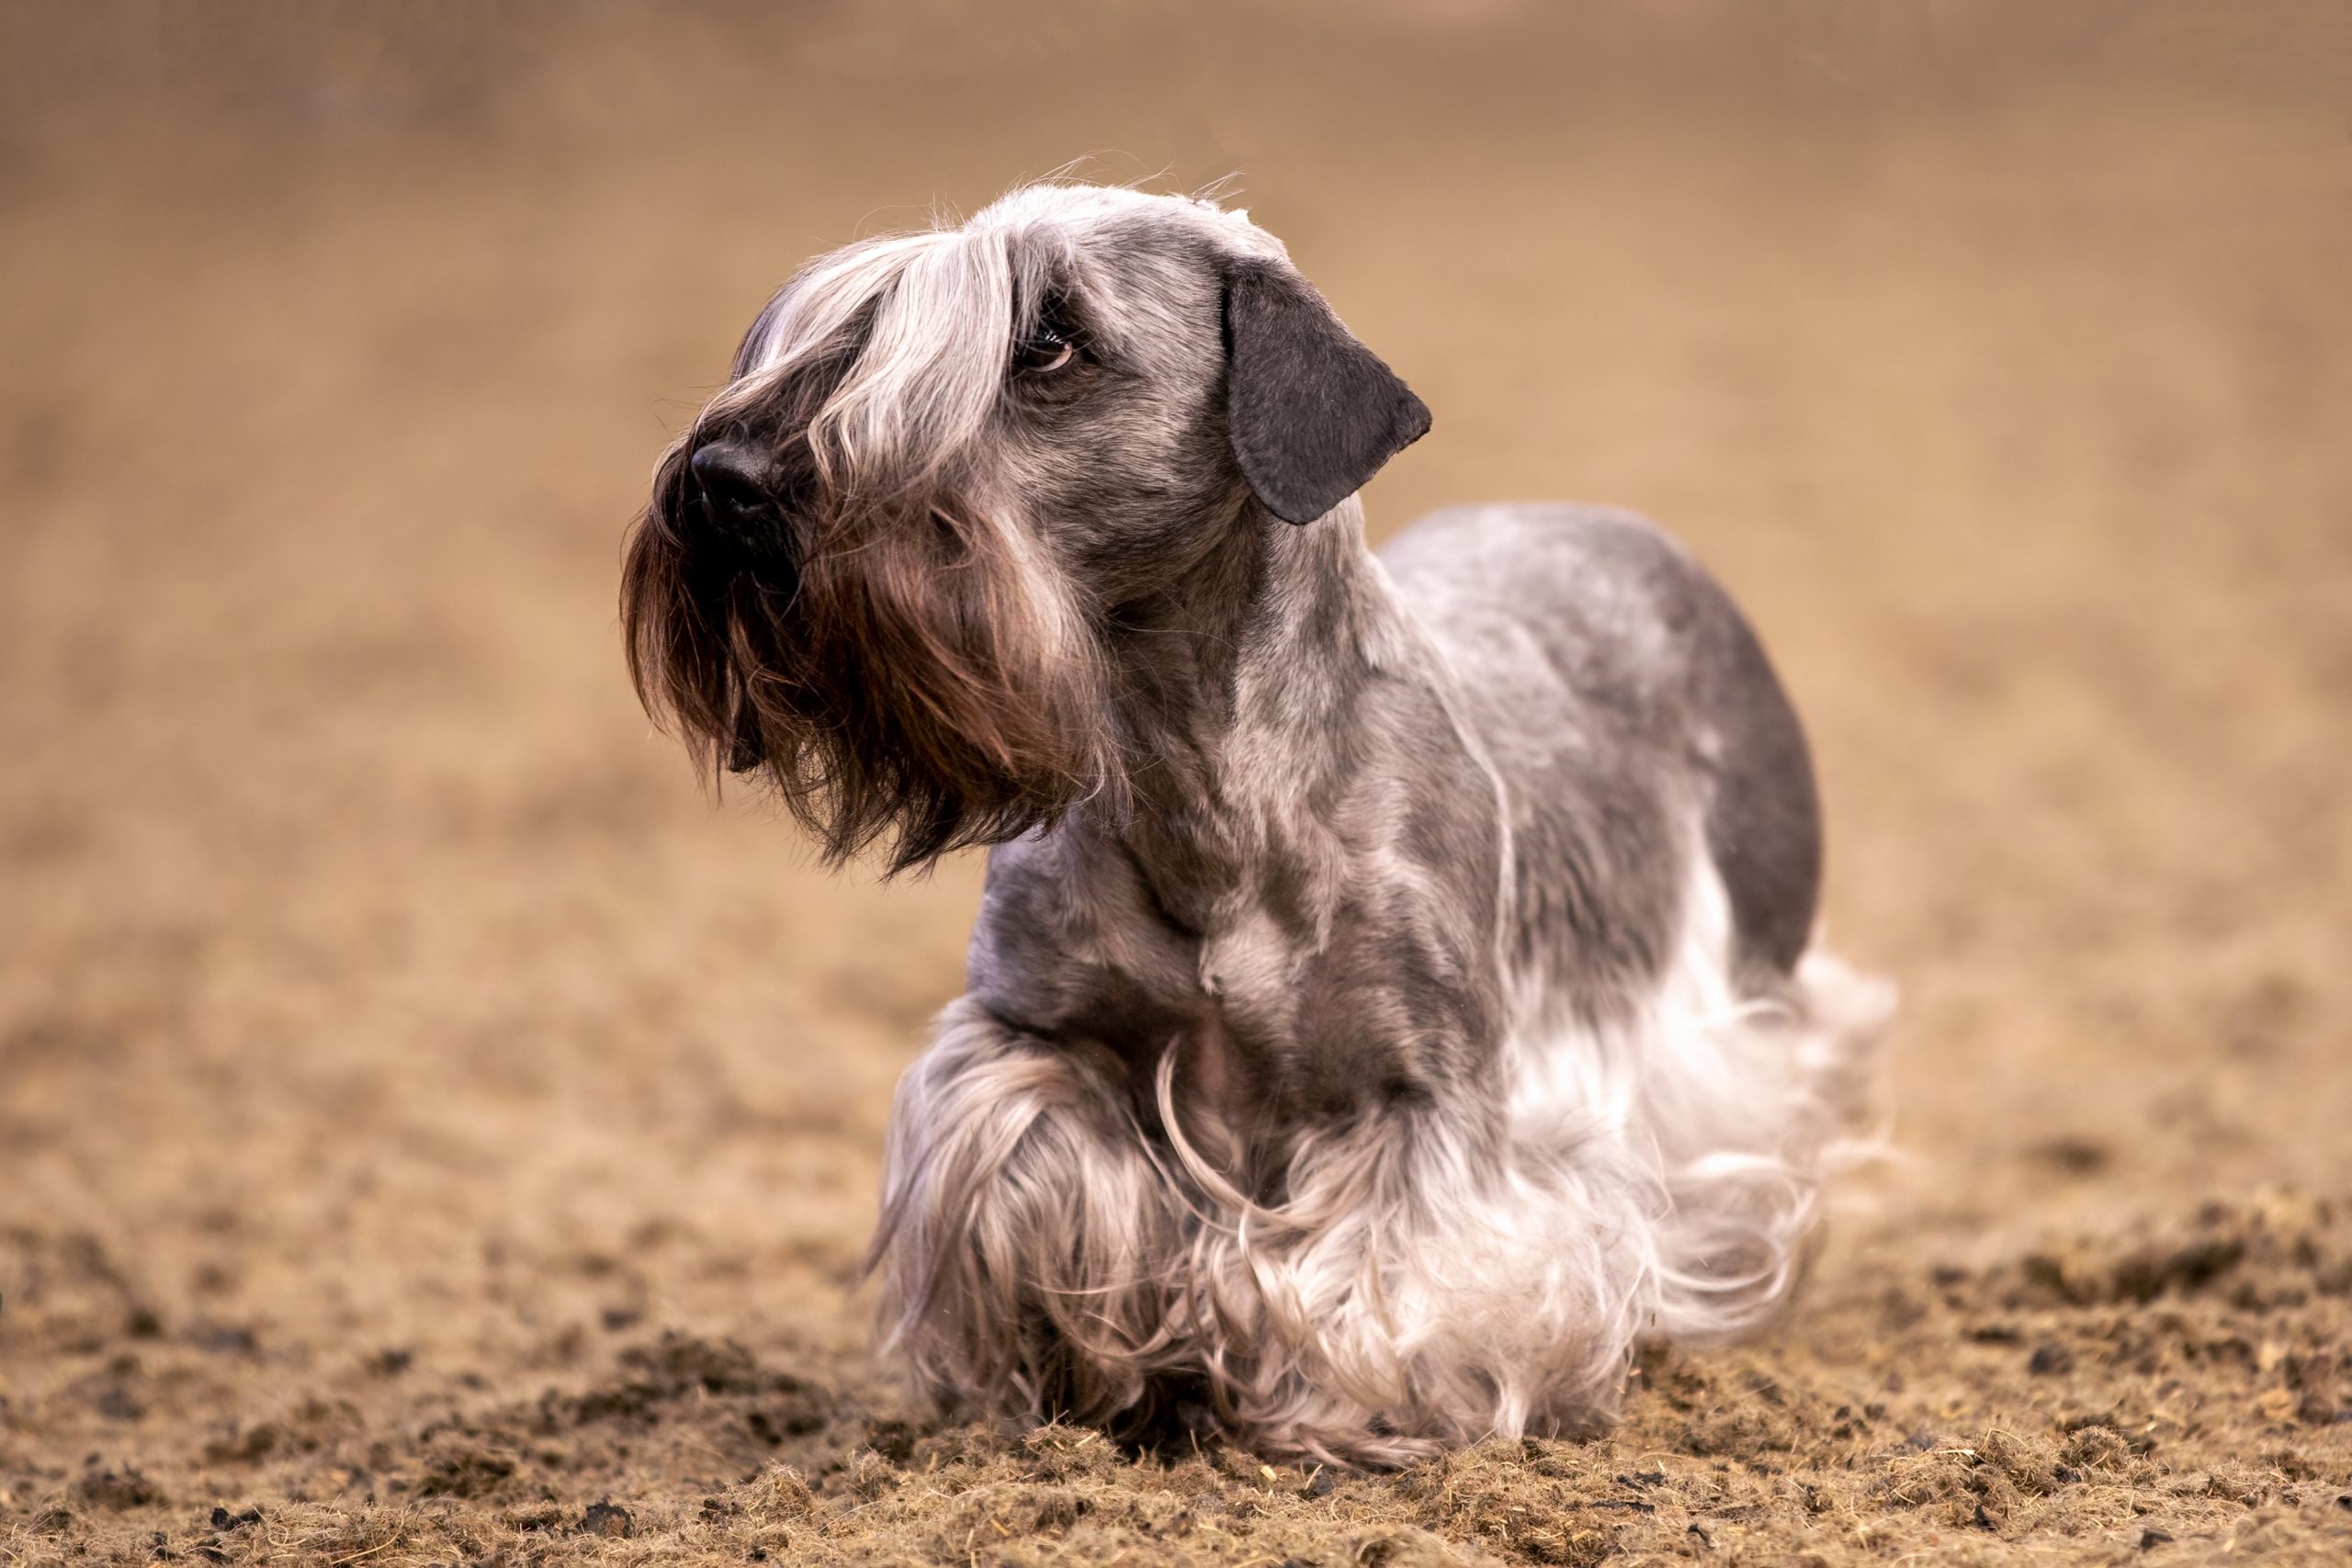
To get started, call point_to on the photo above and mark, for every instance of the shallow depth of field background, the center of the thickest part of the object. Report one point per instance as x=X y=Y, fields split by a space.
x=423 y=1115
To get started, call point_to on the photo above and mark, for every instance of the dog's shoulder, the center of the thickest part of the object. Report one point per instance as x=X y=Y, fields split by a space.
x=1505 y=549
x=1603 y=597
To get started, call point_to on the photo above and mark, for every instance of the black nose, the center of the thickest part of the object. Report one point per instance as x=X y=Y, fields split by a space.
x=737 y=483
x=733 y=480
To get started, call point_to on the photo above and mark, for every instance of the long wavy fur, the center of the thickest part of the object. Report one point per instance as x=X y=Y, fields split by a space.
x=1048 y=1248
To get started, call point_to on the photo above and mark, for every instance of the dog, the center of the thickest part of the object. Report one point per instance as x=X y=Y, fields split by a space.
x=1394 y=995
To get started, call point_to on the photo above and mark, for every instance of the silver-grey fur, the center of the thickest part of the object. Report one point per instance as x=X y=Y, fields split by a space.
x=1404 y=1004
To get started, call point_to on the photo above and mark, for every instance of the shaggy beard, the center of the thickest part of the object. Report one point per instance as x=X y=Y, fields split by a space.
x=896 y=664
x=904 y=683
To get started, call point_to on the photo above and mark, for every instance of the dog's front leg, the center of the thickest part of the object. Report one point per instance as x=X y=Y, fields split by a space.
x=1028 y=1236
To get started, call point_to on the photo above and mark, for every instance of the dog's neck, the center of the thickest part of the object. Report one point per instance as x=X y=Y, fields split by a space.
x=1254 y=695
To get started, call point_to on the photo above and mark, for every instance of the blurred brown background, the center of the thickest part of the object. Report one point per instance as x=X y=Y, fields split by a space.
x=394 y=1043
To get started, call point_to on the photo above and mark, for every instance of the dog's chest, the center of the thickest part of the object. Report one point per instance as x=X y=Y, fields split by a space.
x=1072 y=945
x=1315 y=1016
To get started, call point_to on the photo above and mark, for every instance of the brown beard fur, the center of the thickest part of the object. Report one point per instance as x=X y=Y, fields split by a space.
x=881 y=660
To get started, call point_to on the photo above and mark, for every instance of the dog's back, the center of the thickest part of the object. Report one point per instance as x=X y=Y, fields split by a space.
x=1624 y=699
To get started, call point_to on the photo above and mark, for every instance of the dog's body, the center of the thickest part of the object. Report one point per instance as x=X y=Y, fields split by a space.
x=1390 y=996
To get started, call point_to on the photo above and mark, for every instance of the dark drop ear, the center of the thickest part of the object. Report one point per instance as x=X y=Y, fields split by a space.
x=1312 y=413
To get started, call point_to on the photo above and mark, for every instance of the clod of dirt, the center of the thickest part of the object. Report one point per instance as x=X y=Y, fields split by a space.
x=249 y=1447
x=774 y=1407
x=2314 y=1380
x=1055 y=1452
x=2095 y=1446
x=607 y=1519
x=1899 y=1310
x=894 y=1441
x=2146 y=1276
x=119 y=1403
x=2049 y=1359
x=117 y=1490
x=2047 y=1277
x=773 y=1426
x=1004 y=1511
x=679 y=1362
x=789 y=1495
x=2076 y=1156
x=222 y=1338
x=466 y=1471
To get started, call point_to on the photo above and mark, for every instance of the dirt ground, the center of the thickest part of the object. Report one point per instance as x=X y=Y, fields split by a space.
x=430 y=1132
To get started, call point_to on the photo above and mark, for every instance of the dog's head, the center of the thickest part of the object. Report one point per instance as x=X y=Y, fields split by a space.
x=879 y=567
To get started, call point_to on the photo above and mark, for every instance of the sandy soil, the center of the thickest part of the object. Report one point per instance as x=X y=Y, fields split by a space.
x=431 y=1132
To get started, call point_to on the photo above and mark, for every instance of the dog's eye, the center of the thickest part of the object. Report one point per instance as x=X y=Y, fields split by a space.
x=1046 y=349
